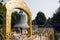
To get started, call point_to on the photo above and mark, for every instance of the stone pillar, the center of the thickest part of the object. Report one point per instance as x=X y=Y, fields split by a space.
x=7 y=25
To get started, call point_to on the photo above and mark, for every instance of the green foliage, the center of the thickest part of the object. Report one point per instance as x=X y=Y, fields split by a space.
x=34 y=22
x=56 y=17
x=1 y=14
x=13 y=18
x=55 y=20
x=48 y=23
x=40 y=19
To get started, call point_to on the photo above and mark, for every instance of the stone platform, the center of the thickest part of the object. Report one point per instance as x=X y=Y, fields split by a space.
x=26 y=37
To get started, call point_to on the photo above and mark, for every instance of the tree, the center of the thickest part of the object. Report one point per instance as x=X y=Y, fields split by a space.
x=1 y=14
x=56 y=20
x=13 y=18
x=40 y=19
x=34 y=22
x=48 y=23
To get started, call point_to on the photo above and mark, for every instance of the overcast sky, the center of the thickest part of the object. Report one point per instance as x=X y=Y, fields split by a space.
x=48 y=7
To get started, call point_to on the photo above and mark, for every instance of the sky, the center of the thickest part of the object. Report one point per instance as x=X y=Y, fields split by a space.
x=48 y=7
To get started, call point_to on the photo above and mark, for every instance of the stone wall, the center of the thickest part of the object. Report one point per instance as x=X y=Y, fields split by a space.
x=43 y=31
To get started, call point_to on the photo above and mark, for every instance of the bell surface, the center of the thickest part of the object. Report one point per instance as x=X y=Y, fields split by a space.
x=21 y=21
